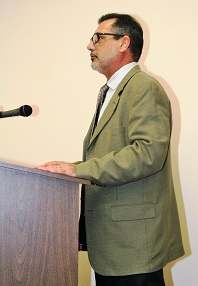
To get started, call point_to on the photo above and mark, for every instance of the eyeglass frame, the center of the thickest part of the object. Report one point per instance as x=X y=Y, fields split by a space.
x=105 y=34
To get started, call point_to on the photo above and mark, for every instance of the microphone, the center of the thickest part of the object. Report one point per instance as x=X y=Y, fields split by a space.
x=24 y=110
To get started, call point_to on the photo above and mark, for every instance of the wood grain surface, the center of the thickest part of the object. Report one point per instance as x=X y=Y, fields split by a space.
x=38 y=228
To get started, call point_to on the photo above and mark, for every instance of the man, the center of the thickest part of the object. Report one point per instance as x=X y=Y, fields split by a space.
x=132 y=224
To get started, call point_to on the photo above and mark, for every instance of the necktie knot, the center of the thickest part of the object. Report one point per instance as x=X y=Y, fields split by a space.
x=102 y=93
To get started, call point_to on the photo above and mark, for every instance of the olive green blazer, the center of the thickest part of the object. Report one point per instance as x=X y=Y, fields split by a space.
x=132 y=222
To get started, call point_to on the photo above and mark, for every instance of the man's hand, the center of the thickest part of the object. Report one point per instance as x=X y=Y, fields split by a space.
x=58 y=167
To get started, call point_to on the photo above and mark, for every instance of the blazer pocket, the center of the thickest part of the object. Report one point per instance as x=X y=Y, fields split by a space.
x=133 y=212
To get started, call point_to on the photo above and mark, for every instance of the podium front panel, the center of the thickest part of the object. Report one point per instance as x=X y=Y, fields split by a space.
x=38 y=229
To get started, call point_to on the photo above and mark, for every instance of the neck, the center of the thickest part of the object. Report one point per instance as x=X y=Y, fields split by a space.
x=116 y=66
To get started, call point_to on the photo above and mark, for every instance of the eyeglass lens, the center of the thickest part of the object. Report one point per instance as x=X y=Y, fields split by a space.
x=95 y=38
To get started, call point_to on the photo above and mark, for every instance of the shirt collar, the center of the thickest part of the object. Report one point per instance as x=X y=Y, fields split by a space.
x=117 y=77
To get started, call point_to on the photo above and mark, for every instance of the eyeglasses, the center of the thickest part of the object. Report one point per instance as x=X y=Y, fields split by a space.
x=96 y=37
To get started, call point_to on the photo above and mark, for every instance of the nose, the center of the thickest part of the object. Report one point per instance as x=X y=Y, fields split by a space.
x=90 y=46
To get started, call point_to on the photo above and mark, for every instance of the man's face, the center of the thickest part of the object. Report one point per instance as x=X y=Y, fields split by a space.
x=105 y=52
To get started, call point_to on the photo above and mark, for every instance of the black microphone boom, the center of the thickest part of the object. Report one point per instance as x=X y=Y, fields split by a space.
x=24 y=110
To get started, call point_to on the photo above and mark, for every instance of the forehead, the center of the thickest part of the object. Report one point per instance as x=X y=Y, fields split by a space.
x=105 y=26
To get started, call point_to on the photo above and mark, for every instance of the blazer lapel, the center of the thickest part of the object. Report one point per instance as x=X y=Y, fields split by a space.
x=106 y=115
x=112 y=104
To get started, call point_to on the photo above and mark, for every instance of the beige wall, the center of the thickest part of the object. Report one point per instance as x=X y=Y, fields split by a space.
x=44 y=63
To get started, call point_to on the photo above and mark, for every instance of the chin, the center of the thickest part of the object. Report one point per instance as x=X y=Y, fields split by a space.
x=96 y=67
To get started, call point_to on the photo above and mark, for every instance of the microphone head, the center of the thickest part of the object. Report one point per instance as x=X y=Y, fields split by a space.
x=25 y=110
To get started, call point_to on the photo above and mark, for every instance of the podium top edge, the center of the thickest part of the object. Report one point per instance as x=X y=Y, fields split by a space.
x=43 y=173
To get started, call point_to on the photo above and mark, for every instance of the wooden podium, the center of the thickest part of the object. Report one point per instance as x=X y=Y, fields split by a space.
x=38 y=227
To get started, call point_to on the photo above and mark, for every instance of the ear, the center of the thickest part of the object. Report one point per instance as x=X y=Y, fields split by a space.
x=124 y=43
